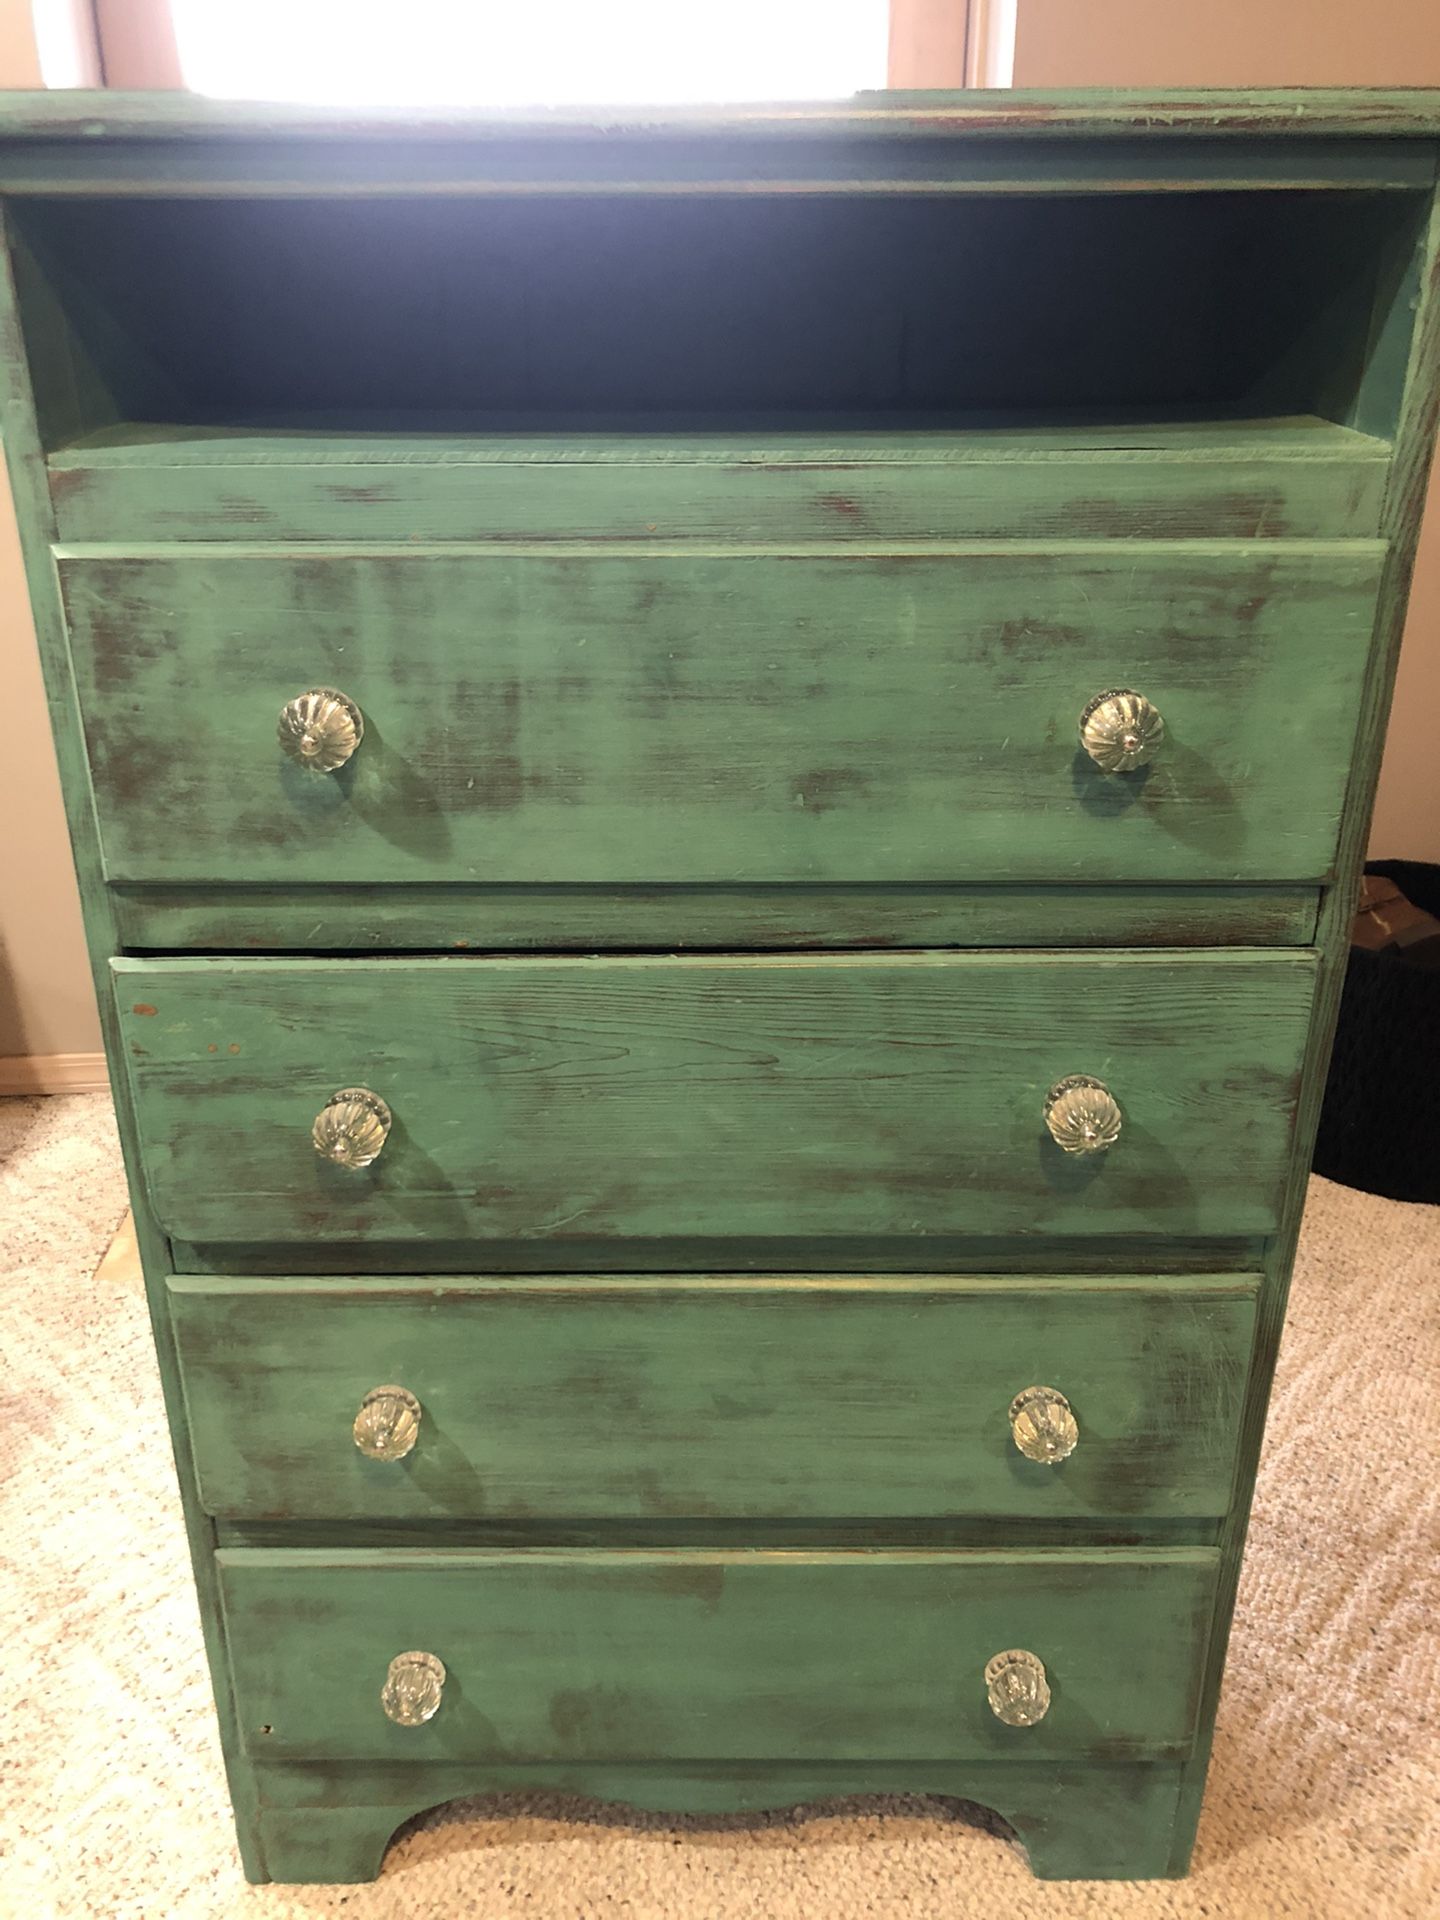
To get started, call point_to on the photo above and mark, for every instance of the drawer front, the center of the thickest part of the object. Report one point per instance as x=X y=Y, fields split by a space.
x=715 y=1111
x=724 y=1397
x=616 y=718
x=591 y=1655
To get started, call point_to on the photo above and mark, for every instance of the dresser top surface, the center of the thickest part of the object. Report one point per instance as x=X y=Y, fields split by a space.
x=86 y=116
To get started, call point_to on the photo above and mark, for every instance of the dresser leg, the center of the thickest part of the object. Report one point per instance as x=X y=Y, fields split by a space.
x=322 y=1845
x=1117 y=1825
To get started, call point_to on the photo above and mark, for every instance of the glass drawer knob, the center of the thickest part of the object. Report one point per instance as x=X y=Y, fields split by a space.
x=412 y=1689
x=1120 y=730
x=1082 y=1114
x=1043 y=1426
x=320 y=729
x=1018 y=1689
x=351 y=1127
x=388 y=1423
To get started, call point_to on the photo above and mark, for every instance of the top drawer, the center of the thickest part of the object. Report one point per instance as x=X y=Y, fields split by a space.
x=598 y=716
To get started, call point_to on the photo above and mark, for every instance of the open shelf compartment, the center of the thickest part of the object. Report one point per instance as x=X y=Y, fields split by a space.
x=156 y=321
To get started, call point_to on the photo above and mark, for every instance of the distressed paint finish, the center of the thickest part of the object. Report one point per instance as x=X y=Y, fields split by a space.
x=595 y=161
x=1404 y=506
x=562 y=715
x=25 y=463
x=1121 y=1826
x=715 y=1655
x=1255 y=480
x=797 y=1102
x=1133 y=114
x=679 y=1252
x=326 y=918
x=716 y=1398
x=1097 y=1816
x=888 y=143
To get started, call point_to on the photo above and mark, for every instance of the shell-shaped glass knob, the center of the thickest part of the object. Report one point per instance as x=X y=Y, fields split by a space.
x=1017 y=1687
x=351 y=1127
x=412 y=1689
x=388 y=1423
x=1120 y=730
x=1082 y=1114
x=1043 y=1425
x=320 y=729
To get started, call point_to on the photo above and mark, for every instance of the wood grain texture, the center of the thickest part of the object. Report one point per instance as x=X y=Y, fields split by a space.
x=715 y=1656
x=799 y=1102
x=733 y=1399
x=561 y=715
x=583 y=919
x=571 y=1069
x=1263 y=480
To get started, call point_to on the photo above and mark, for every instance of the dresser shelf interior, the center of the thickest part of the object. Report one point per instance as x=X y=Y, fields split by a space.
x=243 y=323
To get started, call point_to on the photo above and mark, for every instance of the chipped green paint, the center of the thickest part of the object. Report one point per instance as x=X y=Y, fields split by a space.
x=764 y=1111
x=802 y=1670
x=637 y=1399
x=567 y=715
x=554 y=1655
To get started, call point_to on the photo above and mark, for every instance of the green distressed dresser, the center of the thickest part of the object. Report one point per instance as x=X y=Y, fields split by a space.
x=718 y=761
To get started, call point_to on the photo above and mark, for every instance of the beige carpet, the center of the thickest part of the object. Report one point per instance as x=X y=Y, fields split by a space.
x=1324 y=1795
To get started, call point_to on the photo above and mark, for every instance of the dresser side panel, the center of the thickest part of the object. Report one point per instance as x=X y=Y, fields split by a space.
x=1404 y=506
x=26 y=467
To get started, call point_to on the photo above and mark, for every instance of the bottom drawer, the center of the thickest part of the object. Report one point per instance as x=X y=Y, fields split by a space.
x=725 y=1655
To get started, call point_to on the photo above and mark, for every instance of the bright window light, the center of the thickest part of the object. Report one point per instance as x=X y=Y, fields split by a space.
x=531 y=52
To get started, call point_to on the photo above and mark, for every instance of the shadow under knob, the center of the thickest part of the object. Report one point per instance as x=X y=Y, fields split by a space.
x=1018 y=1689
x=351 y=1127
x=1121 y=730
x=320 y=729
x=1043 y=1425
x=388 y=1423
x=412 y=1689
x=1082 y=1114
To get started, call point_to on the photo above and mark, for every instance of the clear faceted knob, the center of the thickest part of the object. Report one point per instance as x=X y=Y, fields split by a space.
x=388 y=1423
x=351 y=1127
x=1017 y=1687
x=412 y=1689
x=1043 y=1426
x=1120 y=730
x=320 y=729
x=1082 y=1114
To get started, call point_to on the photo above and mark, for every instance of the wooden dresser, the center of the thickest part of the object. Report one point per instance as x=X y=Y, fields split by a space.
x=718 y=762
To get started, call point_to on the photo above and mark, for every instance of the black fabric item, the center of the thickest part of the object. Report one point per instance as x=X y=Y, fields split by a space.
x=1380 y=1121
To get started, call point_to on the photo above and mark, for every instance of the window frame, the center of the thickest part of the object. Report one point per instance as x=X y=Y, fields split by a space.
x=930 y=43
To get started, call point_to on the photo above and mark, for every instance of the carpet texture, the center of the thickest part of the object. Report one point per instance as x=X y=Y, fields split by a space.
x=1324 y=1795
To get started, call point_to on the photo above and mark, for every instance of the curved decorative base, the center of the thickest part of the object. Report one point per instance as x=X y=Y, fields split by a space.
x=1081 y=1822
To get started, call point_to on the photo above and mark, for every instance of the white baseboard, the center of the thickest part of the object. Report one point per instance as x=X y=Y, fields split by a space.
x=53 y=1073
